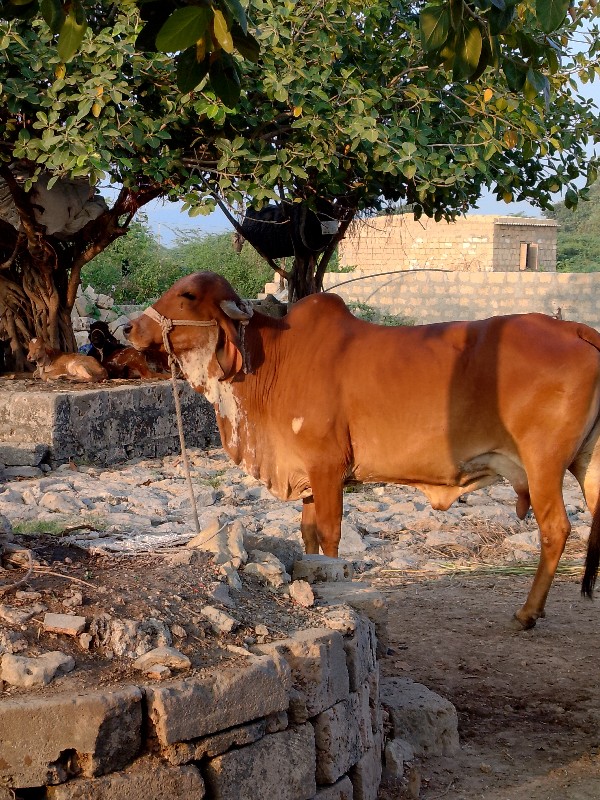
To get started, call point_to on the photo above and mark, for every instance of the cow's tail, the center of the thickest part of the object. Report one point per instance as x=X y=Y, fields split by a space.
x=592 y=559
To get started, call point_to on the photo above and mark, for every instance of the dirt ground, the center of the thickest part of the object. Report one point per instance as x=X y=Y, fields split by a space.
x=528 y=703
x=160 y=586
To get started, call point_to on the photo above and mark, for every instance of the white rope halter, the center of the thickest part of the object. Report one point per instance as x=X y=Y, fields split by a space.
x=167 y=325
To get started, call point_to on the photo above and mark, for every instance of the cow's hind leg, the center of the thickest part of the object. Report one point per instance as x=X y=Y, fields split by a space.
x=549 y=509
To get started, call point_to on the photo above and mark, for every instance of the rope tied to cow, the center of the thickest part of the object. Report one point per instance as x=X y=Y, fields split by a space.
x=166 y=326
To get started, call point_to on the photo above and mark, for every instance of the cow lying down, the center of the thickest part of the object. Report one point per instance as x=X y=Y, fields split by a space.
x=52 y=364
x=320 y=399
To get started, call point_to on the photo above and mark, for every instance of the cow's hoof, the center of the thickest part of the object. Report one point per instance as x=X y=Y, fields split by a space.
x=519 y=624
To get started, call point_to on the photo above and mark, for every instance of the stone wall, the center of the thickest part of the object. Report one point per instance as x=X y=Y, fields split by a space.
x=108 y=424
x=469 y=244
x=299 y=719
x=437 y=296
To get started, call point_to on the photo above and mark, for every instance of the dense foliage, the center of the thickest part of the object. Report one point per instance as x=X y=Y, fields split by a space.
x=203 y=34
x=137 y=269
x=578 y=246
x=354 y=104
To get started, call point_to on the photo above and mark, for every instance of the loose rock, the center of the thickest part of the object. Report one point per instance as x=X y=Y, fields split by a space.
x=27 y=672
x=69 y=624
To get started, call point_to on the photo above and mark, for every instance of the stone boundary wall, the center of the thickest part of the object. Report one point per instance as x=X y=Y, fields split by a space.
x=297 y=719
x=109 y=424
x=441 y=296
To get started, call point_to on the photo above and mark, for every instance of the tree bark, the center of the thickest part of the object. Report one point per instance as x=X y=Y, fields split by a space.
x=39 y=274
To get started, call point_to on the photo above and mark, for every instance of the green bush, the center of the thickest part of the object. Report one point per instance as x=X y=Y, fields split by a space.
x=134 y=268
x=370 y=314
x=137 y=269
x=247 y=272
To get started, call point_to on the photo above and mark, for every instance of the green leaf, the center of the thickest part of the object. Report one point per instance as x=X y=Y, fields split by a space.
x=71 y=34
x=183 y=28
x=468 y=51
x=189 y=72
x=245 y=44
x=146 y=38
x=225 y=80
x=456 y=13
x=516 y=75
x=500 y=19
x=434 y=22
x=238 y=13
x=53 y=13
x=551 y=13
x=571 y=198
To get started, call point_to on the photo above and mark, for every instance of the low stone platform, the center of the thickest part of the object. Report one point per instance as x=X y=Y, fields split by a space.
x=104 y=424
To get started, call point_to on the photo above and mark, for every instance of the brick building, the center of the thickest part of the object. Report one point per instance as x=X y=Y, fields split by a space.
x=476 y=243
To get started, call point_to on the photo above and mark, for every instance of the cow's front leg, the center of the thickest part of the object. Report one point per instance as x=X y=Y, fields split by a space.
x=308 y=526
x=324 y=520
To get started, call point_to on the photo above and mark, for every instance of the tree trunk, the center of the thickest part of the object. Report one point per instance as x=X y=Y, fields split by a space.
x=308 y=269
x=33 y=303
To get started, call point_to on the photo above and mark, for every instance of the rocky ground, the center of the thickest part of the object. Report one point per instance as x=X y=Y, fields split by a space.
x=111 y=547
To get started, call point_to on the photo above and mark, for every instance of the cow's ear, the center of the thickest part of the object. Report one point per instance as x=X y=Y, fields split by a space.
x=230 y=352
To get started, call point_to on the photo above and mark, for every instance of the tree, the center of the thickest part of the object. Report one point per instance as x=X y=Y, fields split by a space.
x=134 y=268
x=247 y=271
x=346 y=113
x=203 y=34
x=112 y=113
x=578 y=243
x=137 y=269
x=349 y=109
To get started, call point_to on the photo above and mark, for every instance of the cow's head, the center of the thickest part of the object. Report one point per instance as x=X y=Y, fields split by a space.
x=208 y=352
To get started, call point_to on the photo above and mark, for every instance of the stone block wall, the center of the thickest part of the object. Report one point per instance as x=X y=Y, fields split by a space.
x=299 y=719
x=441 y=296
x=474 y=243
x=108 y=424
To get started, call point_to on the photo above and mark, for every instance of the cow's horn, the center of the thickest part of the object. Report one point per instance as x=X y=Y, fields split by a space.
x=234 y=311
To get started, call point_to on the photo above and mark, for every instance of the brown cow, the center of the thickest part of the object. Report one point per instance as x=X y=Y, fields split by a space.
x=319 y=399
x=52 y=364
x=117 y=359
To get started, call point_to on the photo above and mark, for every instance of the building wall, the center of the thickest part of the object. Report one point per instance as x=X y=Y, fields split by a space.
x=426 y=297
x=519 y=241
x=469 y=244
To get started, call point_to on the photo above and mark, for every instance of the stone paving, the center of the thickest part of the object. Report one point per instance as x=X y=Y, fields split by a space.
x=144 y=505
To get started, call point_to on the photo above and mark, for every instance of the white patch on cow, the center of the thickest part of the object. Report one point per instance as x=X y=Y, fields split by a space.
x=196 y=366
x=297 y=424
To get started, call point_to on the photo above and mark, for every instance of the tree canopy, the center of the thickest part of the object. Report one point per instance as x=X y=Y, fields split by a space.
x=352 y=105
x=346 y=105
x=203 y=34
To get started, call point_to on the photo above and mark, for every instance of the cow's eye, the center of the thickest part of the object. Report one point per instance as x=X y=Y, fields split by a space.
x=188 y=295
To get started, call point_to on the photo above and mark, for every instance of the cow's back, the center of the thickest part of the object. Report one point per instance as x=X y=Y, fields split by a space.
x=416 y=403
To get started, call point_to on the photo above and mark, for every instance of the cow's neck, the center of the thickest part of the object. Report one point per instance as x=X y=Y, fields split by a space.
x=201 y=369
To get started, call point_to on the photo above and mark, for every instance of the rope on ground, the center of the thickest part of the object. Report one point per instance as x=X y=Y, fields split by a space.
x=186 y=463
